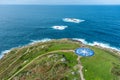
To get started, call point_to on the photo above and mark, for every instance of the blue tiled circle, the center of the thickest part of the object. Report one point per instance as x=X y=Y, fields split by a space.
x=84 y=52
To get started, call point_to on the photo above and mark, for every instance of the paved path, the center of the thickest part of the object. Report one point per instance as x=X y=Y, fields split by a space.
x=52 y=52
x=80 y=68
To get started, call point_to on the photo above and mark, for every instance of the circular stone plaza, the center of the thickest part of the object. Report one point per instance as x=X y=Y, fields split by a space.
x=84 y=52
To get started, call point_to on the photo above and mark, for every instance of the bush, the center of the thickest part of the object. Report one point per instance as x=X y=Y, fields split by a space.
x=116 y=69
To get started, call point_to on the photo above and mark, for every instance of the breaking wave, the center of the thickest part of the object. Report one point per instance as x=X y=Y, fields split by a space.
x=103 y=45
x=42 y=40
x=7 y=51
x=59 y=27
x=31 y=43
x=73 y=20
x=3 y=53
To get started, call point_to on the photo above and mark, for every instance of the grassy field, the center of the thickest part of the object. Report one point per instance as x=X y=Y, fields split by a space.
x=55 y=60
x=99 y=66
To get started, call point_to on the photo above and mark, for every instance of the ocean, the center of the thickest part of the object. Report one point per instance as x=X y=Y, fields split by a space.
x=23 y=24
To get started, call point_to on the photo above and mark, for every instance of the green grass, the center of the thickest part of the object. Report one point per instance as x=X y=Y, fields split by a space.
x=104 y=65
x=99 y=66
x=71 y=57
x=51 y=68
x=17 y=60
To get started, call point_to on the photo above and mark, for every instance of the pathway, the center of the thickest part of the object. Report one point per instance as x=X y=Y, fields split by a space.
x=37 y=58
x=80 y=68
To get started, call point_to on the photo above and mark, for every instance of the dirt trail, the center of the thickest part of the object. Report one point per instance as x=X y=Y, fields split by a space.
x=37 y=58
x=80 y=68
x=15 y=60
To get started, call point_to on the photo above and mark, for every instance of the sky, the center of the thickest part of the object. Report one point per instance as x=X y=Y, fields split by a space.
x=61 y=2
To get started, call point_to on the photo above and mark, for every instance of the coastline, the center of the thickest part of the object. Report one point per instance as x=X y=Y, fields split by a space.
x=81 y=41
x=99 y=45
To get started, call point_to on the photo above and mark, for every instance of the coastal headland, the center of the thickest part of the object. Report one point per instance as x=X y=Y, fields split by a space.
x=56 y=60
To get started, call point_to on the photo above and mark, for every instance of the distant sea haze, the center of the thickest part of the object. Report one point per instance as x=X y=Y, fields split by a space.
x=20 y=25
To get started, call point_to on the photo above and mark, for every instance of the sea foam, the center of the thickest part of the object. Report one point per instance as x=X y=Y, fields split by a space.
x=59 y=27
x=7 y=51
x=4 y=52
x=31 y=43
x=42 y=40
x=73 y=20
x=103 y=45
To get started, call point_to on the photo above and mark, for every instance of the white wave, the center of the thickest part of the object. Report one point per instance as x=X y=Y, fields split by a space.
x=4 y=52
x=31 y=43
x=73 y=20
x=7 y=51
x=103 y=45
x=42 y=40
x=59 y=27
x=81 y=40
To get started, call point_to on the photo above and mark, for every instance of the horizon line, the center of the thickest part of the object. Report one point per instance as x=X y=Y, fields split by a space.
x=65 y=4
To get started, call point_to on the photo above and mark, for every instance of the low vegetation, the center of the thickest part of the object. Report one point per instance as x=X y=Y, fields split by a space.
x=56 y=60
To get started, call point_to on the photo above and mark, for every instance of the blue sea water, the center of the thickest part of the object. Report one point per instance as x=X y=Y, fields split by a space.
x=19 y=24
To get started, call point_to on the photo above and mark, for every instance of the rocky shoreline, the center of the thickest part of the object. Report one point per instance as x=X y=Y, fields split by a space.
x=83 y=45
